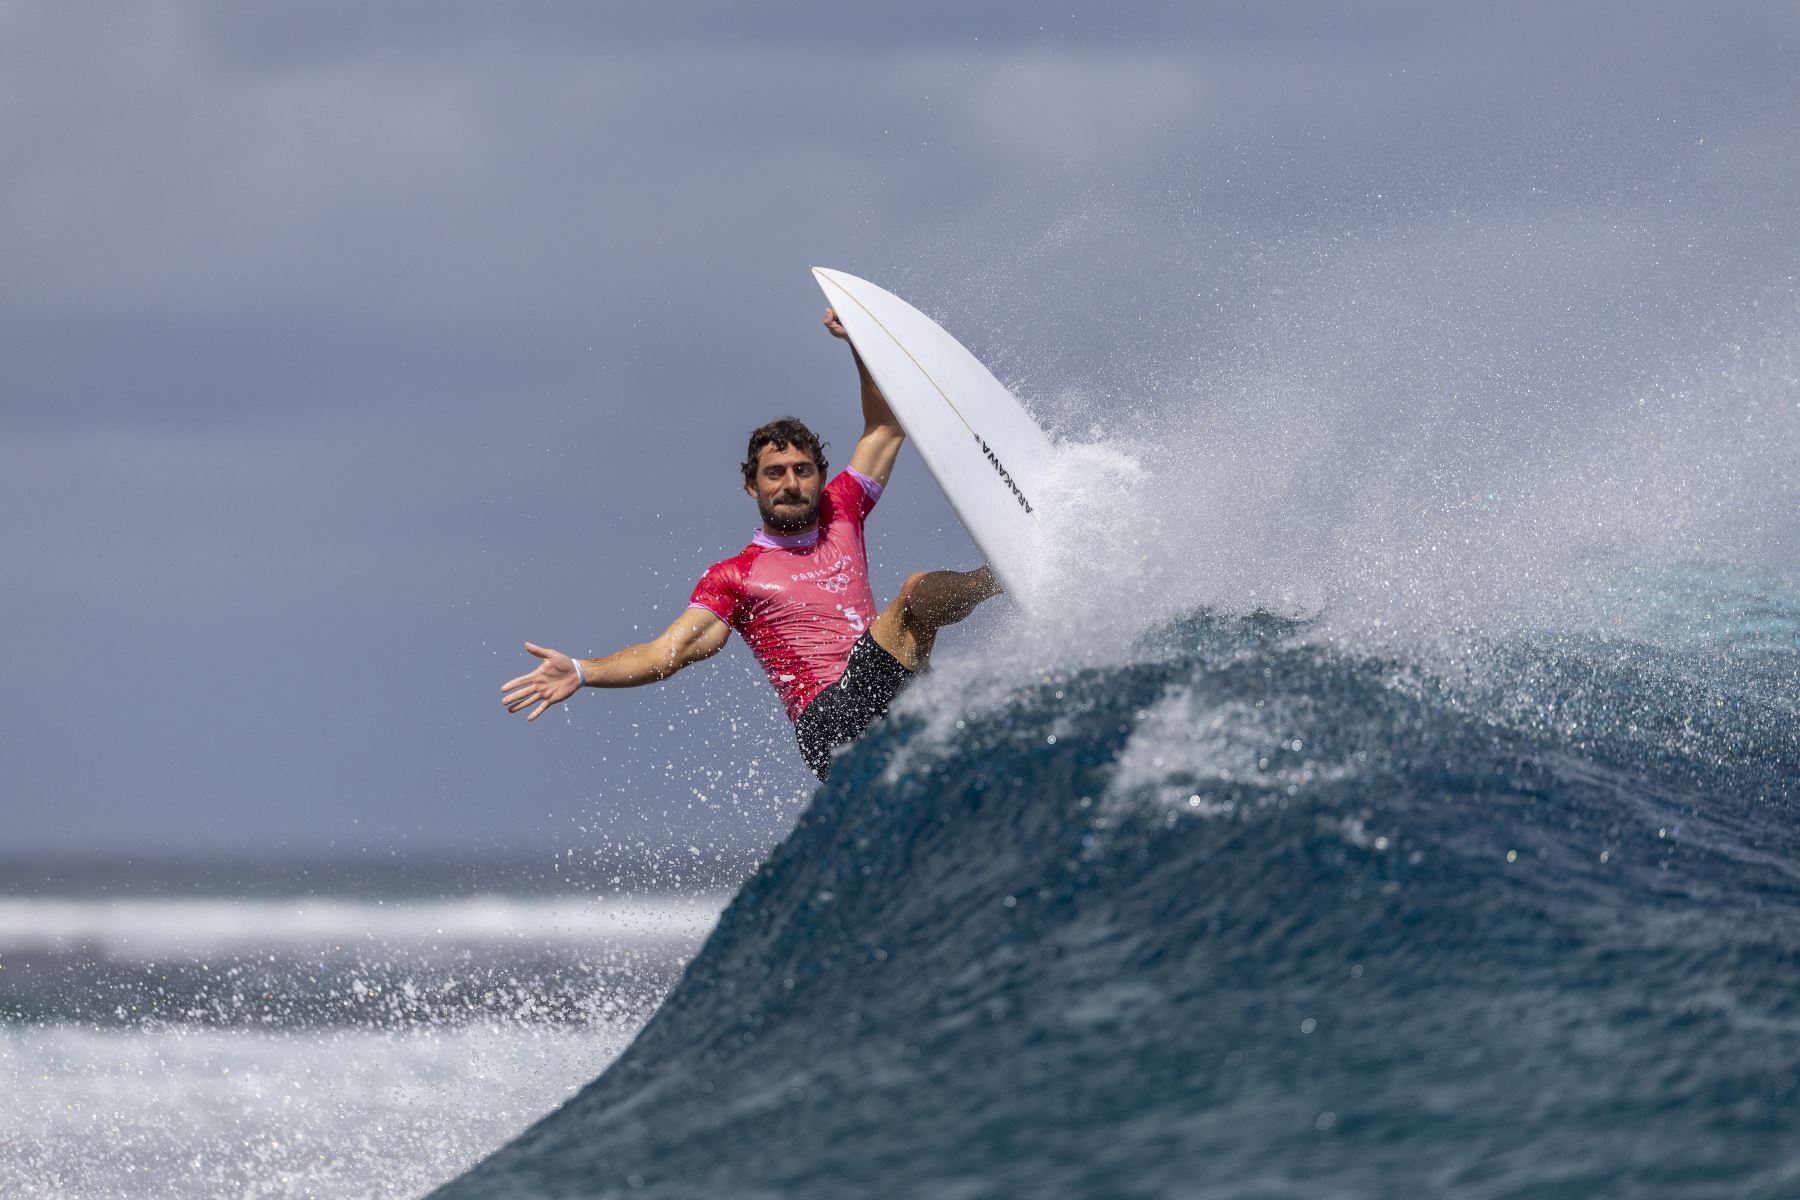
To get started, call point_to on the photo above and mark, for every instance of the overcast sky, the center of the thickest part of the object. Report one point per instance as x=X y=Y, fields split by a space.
x=348 y=346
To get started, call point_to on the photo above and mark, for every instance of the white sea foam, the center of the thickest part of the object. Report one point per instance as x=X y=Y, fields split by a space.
x=1187 y=749
x=184 y=1112
x=146 y=928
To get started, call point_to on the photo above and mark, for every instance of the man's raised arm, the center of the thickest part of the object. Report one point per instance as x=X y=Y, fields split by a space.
x=879 y=445
x=696 y=634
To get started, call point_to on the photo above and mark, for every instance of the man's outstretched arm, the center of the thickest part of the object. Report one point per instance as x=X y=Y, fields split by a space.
x=696 y=634
x=880 y=443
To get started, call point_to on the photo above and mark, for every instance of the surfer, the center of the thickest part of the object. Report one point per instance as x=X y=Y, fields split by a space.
x=798 y=594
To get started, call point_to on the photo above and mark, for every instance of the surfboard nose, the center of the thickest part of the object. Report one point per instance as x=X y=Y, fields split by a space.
x=985 y=451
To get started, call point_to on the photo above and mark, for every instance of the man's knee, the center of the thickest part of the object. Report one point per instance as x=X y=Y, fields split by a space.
x=909 y=596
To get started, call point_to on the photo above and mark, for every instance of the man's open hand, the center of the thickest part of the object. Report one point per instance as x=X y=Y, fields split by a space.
x=836 y=326
x=553 y=682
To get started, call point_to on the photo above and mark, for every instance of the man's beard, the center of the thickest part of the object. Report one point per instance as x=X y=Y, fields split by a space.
x=789 y=519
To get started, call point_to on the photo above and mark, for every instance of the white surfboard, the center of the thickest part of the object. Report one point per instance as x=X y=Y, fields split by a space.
x=987 y=454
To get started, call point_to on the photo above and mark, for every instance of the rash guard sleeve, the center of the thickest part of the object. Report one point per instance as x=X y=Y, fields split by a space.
x=721 y=591
x=854 y=493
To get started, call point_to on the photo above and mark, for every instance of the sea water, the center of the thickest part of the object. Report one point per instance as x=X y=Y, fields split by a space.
x=1249 y=912
x=248 y=1029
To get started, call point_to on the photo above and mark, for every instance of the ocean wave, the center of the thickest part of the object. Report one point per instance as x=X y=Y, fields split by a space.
x=1255 y=910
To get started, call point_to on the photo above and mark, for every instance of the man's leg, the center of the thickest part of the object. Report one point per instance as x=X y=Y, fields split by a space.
x=927 y=602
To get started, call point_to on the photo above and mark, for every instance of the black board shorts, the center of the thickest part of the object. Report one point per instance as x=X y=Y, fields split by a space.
x=860 y=697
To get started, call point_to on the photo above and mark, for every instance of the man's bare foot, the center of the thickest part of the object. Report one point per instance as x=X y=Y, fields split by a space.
x=987 y=584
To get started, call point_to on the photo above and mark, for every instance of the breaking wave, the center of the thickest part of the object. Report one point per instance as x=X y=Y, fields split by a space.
x=1254 y=909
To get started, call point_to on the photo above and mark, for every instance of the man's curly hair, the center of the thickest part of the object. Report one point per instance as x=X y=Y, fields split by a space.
x=782 y=433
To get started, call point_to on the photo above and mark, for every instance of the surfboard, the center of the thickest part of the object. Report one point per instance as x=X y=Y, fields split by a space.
x=985 y=451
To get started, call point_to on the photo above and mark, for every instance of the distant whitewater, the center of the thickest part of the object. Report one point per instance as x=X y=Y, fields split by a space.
x=1250 y=912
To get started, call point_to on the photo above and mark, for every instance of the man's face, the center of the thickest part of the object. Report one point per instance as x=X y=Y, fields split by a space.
x=786 y=488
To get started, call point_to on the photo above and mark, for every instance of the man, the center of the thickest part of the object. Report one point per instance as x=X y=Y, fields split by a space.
x=798 y=594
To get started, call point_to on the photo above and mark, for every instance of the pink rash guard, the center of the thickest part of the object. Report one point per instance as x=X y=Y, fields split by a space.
x=801 y=601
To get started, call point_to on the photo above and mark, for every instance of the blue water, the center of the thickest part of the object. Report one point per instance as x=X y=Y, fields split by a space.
x=1255 y=913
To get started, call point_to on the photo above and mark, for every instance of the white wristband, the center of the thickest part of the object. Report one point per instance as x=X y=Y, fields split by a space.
x=579 y=673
